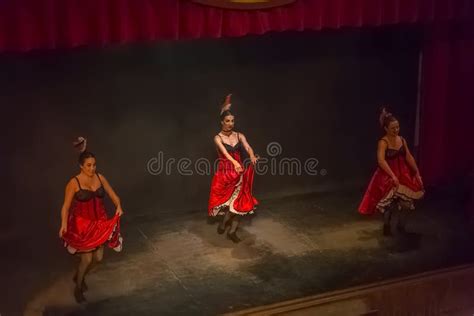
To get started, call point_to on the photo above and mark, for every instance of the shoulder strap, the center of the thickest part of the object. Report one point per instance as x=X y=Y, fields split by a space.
x=403 y=141
x=78 y=183
x=99 y=178
x=404 y=144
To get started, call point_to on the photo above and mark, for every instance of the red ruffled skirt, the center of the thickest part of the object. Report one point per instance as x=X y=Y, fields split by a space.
x=88 y=227
x=231 y=189
x=381 y=191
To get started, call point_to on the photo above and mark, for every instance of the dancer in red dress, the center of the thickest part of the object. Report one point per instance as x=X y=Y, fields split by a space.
x=85 y=227
x=231 y=187
x=397 y=181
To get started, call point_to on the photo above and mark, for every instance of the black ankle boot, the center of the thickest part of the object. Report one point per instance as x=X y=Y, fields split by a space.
x=221 y=230
x=401 y=229
x=83 y=286
x=387 y=231
x=233 y=236
x=79 y=295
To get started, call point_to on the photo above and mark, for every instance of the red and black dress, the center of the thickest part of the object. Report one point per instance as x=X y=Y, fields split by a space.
x=381 y=191
x=88 y=226
x=229 y=188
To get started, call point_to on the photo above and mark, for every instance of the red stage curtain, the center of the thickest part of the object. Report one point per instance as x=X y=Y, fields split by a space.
x=31 y=24
x=447 y=118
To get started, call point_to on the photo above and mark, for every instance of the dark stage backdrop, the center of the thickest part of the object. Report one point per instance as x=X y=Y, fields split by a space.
x=315 y=94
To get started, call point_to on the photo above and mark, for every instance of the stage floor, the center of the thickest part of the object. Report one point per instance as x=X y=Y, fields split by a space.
x=177 y=264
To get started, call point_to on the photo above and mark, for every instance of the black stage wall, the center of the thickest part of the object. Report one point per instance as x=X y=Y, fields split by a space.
x=316 y=94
